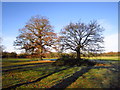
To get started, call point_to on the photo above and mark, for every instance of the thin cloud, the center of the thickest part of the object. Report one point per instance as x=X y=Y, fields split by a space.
x=8 y=44
x=107 y=26
x=111 y=43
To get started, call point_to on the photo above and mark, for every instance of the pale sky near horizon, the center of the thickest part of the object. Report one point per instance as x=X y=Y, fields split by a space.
x=15 y=15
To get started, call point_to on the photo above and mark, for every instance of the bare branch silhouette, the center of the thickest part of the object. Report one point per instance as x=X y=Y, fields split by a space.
x=82 y=38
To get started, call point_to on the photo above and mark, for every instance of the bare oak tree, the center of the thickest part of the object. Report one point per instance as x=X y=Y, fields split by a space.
x=37 y=36
x=1 y=47
x=82 y=38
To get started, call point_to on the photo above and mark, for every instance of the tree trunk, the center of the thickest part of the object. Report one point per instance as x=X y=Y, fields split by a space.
x=41 y=54
x=40 y=57
x=78 y=54
x=41 y=48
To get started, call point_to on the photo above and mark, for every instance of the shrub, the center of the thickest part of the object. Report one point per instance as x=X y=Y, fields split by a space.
x=70 y=61
x=23 y=55
x=9 y=55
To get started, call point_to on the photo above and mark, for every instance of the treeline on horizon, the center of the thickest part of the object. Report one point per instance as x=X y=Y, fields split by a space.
x=52 y=55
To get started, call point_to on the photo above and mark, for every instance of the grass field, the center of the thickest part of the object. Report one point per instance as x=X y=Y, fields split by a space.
x=26 y=73
x=105 y=58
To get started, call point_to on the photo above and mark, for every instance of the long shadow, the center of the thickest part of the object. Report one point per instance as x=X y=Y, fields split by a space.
x=23 y=65
x=116 y=68
x=27 y=60
x=39 y=79
x=105 y=61
x=36 y=65
x=66 y=82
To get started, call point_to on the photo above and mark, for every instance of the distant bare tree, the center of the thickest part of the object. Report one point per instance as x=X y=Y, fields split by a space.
x=37 y=36
x=82 y=38
x=1 y=46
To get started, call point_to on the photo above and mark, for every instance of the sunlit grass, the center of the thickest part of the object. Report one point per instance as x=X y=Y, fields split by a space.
x=25 y=59
x=95 y=78
x=103 y=58
x=26 y=75
x=9 y=62
x=53 y=79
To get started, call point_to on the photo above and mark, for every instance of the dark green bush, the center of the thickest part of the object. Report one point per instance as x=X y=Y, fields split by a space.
x=72 y=61
x=9 y=55
x=86 y=62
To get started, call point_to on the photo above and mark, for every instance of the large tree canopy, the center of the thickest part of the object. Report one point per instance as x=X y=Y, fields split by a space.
x=82 y=38
x=36 y=36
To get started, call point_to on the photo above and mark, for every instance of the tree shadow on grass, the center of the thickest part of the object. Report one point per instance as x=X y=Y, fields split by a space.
x=21 y=66
x=113 y=68
x=39 y=79
x=66 y=82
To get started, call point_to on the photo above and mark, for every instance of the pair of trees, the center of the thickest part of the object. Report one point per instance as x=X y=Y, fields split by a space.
x=38 y=37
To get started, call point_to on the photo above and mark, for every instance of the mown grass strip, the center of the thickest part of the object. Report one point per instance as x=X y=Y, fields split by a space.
x=104 y=58
x=21 y=66
x=26 y=77
x=53 y=79
x=96 y=78
x=66 y=82
x=8 y=63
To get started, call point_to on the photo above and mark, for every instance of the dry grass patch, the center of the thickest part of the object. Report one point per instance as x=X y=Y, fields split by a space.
x=102 y=64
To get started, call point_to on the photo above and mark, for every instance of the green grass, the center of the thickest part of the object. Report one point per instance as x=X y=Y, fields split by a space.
x=105 y=58
x=32 y=70
x=53 y=79
x=26 y=75
x=17 y=61
x=95 y=78
x=13 y=59
x=23 y=59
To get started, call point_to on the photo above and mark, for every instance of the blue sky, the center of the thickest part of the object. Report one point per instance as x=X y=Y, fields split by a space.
x=15 y=15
